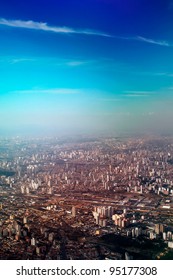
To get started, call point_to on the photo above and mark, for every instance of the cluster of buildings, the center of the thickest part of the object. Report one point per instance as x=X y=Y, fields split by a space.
x=56 y=196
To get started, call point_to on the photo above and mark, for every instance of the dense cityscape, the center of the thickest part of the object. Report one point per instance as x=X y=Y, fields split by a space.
x=86 y=198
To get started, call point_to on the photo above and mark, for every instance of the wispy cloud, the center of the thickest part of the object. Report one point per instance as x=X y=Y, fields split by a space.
x=18 y=60
x=43 y=26
x=49 y=91
x=53 y=61
x=110 y=99
x=155 y=42
x=162 y=43
x=137 y=92
x=154 y=74
x=75 y=63
x=135 y=95
x=70 y=63
x=162 y=92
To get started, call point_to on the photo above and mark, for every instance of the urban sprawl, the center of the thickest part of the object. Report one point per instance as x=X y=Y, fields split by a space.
x=86 y=198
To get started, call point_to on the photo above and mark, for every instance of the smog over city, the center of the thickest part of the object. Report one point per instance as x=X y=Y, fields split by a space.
x=86 y=131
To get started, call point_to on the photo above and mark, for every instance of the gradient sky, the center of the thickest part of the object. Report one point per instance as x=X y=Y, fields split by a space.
x=86 y=66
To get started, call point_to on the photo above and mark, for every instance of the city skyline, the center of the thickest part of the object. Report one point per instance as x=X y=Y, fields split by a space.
x=86 y=199
x=96 y=66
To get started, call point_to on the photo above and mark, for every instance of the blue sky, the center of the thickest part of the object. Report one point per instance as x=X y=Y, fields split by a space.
x=86 y=66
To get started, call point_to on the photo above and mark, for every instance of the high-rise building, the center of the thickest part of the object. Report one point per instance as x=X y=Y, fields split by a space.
x=157 y=228
x=33 y=241
x=73 y=211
